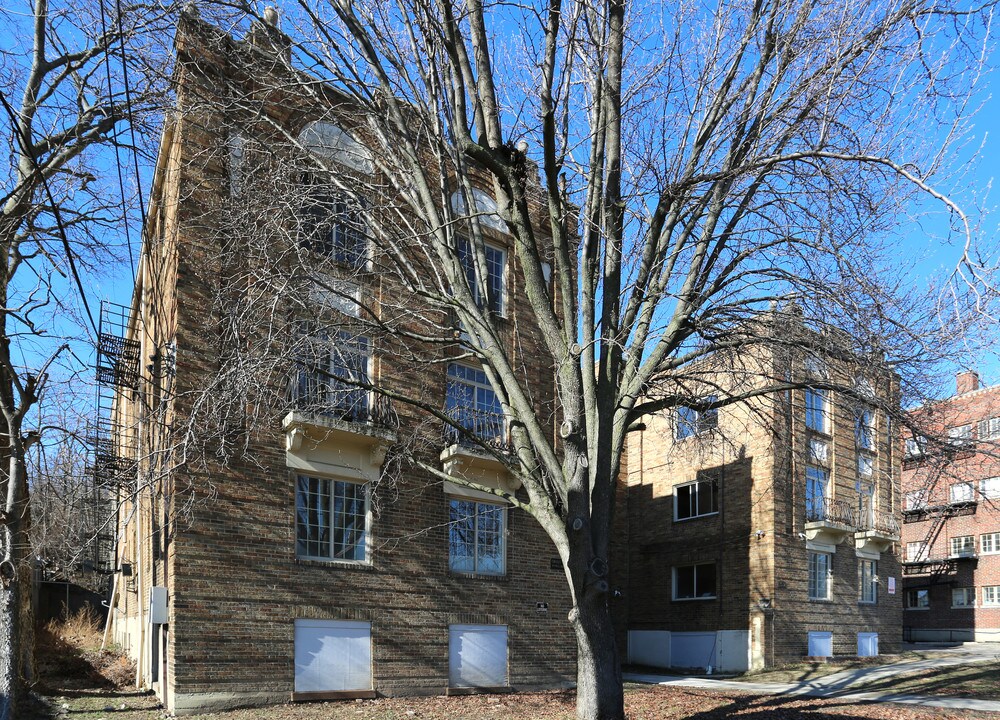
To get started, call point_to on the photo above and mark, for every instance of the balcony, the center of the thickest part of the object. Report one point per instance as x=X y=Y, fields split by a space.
x=828 y=522
x=877 y=531
x=471 y=449
x=338 y=425
x=925 y=565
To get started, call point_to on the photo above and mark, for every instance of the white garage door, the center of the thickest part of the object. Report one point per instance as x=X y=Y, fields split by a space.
x=820 y=644
x=333 y=655
x=477 y=655
x=692 y=649
x=867 y=644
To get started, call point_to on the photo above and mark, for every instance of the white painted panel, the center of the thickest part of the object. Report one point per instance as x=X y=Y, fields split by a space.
x=477 y=655
x=867 y=644
x=649 y=647
x=820 y=644
x=733 y=651
x=692 y=650
x=332 y=655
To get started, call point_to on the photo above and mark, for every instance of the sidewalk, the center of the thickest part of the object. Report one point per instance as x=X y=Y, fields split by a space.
x=839 y=684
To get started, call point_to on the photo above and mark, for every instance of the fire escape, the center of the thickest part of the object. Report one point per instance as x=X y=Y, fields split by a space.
x=936 y=566
x=113 y=465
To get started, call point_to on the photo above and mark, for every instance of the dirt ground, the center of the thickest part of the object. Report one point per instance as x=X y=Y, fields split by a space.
x=80 y=682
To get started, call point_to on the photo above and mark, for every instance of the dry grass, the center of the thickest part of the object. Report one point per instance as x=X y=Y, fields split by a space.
x=69 y=655
x=806 y=671
x=979 y=680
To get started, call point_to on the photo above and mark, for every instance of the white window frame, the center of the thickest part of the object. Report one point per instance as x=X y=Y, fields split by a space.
x=868 y=581
x=962 y=546
x=966 y=597
x=960 y=435
x=817 y=410
x=991 y=595
x=989 y=543
x=481 y=390
x=916 y=446
x=989 y=428
x=495 y=298
x=695 y=499
x=916 y=551
x=915 y=499
x=820 y=574
x=968 y=495
x=340 y=354
x=989 y=488
x=866 y=465
x=695 y=567
x=331 y=555
x=864 y=428
x=817 y=505
x=924 y=593
x=476 y=568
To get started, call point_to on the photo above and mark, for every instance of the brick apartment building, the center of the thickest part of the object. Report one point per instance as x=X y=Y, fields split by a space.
x=951 y=518
x=279 y=577
x=765 y=531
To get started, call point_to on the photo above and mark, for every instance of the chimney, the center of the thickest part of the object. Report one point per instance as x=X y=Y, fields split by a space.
x=966 y=381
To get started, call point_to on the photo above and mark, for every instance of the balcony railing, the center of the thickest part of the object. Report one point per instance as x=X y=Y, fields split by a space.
x=881 y=522
x=488 y=428
x=321 y=395
x=831 y=511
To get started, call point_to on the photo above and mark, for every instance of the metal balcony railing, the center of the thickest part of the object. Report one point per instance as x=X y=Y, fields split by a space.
x=833 y=511
x=316 y=393
x=488 y=428
x=879 y=521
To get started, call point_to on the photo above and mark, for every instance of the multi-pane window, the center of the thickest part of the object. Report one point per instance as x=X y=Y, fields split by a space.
x=962 y=546
x=919 y=599
x=960 y=435
x=490 y=294
x=962 y=492
x=868 y=577
x=331 y=518
x=476 y=533
x=333 y=225
x=864 y=428
x=989 y=543
x=819 y=575
x=866 y=465
x=991 y=595
x=989 y=428
x=916 y=446
x=332 y=369
x=472 y=404
x=916 y=551
x=817 y=489
x=990 y=488
x=963 y=597
x=691 y=421
x=915 y=499
x=694 y=582
x=816 y=409
x=694 y=499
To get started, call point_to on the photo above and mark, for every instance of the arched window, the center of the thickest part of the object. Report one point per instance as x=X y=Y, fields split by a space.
x=483 y=204
x=329 y=141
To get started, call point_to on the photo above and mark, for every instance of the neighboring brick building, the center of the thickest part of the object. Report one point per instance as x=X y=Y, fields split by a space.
x=765 y=531
x=951 y=518
x=267 y=573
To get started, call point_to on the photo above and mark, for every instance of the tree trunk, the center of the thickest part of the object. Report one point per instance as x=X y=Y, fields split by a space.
x=10 y=632
x=599 y=694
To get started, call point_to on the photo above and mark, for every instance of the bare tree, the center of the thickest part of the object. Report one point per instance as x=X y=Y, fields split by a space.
x=666 y=176
x=65 y=95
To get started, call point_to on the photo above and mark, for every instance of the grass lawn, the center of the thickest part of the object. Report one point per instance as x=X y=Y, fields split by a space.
x=978 y=680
